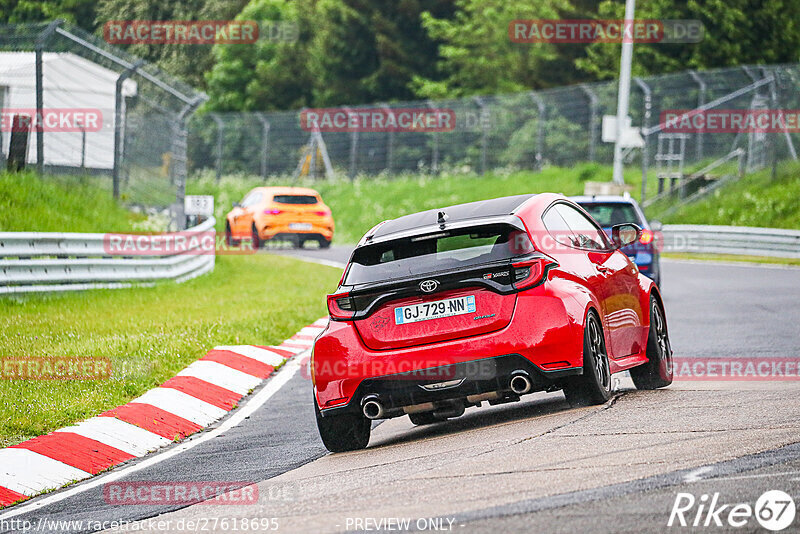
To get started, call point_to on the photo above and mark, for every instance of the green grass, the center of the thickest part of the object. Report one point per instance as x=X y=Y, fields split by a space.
x=360 y=204
x=755 y=200
x=149 y=334
x=60 y=204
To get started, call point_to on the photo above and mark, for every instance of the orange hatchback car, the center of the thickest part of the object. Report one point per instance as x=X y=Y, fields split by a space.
x=292 y=214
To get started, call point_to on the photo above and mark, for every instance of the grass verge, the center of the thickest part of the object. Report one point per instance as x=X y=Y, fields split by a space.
x=30 y=203
x=148 y=333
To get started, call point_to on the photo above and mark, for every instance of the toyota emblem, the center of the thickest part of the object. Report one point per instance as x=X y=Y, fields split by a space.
x=428 y=286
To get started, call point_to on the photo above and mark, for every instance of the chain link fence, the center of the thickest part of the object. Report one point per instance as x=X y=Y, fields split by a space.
x=151 y=139
x=559 y=126
x=60 y=75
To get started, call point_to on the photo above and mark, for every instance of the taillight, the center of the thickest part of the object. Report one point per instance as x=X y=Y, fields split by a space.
x=647 y=237
x=341 y=306
x=531 y=272
x=273 y=212
x=322 y=213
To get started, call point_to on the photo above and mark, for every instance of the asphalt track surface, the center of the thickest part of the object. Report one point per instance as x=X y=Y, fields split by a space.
x=522 y=467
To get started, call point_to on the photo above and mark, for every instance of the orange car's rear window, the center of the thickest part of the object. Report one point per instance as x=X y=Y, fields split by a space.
x=294 y=199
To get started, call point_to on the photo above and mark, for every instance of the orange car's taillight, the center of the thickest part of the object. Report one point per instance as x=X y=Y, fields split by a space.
x=341 y=306
x=273 y=212
x=322 y=213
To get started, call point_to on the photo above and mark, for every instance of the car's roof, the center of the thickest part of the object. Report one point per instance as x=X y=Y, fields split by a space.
x=603 y=199
x=457 y=213
x=287 y=190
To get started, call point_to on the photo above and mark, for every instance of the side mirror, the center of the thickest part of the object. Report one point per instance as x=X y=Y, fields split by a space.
x=625 y=234
x=656 y=226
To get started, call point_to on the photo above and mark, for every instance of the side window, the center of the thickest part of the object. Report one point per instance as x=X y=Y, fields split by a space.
x=252 y=199
x=558 y=228
x=588 y=234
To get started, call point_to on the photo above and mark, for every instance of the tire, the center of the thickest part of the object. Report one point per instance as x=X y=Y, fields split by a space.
x=657 y=372
x=255 y=240
x=341 y=433
x=229 y=240
x=324 y=243
x=423 y=418
x=594 y=385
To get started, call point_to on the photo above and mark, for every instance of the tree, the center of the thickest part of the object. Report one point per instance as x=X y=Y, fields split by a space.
x=80 y=12
x=477 y=55
x=187 y=61
x=737 y=32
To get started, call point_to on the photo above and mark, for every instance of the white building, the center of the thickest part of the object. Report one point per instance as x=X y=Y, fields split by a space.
x=71 y=83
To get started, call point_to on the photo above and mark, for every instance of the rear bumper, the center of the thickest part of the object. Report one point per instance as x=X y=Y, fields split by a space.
x=271 y=229
x=469 y=381
x=544 y=337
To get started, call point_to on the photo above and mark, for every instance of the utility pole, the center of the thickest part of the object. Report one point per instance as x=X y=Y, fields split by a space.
x=624 y=87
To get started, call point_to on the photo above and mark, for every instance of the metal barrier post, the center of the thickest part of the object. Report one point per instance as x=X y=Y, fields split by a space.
x=648 y=104
x=539 y=129
x=41 y=40
x=701 y=100
x=127 y=73
x=484 y=132
x=265 y=143
x=593 y=105
x=220 y=141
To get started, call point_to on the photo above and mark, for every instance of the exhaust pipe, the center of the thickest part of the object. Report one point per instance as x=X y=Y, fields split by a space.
x=520 y=382
x=373 y=409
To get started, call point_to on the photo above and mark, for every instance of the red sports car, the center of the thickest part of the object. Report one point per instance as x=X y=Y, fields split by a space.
x=487 y=301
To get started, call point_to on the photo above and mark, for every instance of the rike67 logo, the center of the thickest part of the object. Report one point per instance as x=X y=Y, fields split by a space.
x=774 y=510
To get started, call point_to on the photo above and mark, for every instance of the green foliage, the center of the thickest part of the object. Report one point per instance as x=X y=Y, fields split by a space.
x=755 y=200
x=737 y=32
x=477 y=56
x=80 y=12
x=187 y=61
x=359 y=204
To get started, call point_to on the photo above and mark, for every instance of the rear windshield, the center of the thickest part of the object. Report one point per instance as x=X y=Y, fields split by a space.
x=611 y=213
x=431 y=253
x=295 y=199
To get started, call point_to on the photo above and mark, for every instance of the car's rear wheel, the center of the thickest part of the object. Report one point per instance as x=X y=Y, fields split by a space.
x=345 y=432
x=323 y=243
x=255 y=240
x=657 y=372
x=423 y=418
x=594 y=385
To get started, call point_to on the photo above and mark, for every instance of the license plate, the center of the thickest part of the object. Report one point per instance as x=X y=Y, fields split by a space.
x=300 y=226
x=434 y=310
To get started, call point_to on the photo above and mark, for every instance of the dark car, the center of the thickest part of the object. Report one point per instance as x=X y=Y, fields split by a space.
x=484 y=302
x=612 y=210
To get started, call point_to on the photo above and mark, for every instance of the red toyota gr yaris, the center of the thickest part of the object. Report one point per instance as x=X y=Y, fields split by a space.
x=444 y=309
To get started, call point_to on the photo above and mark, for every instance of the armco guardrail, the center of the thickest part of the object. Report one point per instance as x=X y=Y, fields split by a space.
x=743 y=240
x=33 y=262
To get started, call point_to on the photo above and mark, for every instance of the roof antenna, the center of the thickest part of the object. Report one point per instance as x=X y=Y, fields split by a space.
x=442 y=218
